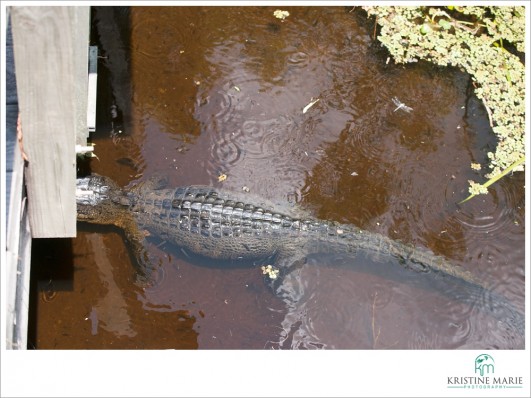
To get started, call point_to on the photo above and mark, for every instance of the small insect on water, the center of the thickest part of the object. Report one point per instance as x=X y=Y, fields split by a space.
x=401 y=105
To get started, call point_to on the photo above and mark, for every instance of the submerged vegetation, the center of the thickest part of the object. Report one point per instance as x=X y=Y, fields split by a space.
x=488 y=43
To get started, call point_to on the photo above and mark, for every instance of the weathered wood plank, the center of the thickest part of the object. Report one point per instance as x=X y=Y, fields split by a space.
x=18 y=238
x=80 y=26
x=47 y=50
x=18 y=254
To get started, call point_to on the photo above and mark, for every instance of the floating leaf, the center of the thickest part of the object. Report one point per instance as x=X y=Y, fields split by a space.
x=445 y=24
x=425 y=29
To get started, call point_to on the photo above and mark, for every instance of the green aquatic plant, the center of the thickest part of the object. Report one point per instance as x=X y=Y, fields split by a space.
x=476 y=39
x=476 y=189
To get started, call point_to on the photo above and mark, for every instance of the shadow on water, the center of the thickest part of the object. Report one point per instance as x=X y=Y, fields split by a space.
x=86 y=295
x=52 y=272
x=222 y=92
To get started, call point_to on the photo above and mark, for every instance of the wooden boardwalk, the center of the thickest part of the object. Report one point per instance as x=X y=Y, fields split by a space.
x=47 y=84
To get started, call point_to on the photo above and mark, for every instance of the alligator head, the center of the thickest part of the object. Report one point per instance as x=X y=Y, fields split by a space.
x=99 y=200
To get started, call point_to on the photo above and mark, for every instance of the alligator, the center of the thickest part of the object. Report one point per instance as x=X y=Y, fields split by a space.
x=224 y=225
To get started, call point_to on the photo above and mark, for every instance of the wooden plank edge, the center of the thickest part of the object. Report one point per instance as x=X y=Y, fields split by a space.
x=18 y=261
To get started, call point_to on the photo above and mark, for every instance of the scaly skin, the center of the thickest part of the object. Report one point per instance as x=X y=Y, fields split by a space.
x=225 y=225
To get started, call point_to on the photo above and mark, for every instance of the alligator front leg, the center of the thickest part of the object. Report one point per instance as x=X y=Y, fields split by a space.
x=136 y=238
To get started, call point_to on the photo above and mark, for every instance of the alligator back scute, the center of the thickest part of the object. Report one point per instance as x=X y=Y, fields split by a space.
x=200 y=220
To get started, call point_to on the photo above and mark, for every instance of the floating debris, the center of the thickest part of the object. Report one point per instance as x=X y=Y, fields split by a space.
x=222 y=177
x=312 y=103
x=401 y=105
x=245 y=189
x=270 y=271
x=475 y=166
x=236 y=88
x=354 y=174
x=281 y=14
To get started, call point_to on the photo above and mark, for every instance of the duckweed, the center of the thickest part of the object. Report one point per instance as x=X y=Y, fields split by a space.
x=475 y=39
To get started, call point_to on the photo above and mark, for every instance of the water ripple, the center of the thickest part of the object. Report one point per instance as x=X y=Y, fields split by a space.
x=215 y=107
x=299 y=59
x=225 y=151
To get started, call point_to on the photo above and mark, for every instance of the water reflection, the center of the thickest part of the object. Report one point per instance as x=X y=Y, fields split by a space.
x=110 y=312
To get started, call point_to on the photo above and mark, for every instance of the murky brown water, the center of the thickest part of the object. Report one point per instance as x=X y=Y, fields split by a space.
x=206 y=91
